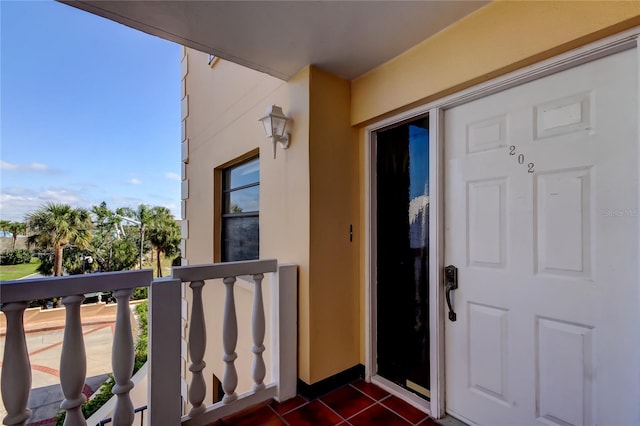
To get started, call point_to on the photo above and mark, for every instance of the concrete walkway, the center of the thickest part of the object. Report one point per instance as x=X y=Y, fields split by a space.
x=45 y=401
x=45 y=346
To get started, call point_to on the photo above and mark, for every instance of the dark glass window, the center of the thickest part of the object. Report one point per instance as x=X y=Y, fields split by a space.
x=241 y=211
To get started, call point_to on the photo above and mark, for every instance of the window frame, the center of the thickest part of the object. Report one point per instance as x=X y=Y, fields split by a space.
x=223 y=214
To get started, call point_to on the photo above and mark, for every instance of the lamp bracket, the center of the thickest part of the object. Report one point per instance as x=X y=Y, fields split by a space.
x=284 y=140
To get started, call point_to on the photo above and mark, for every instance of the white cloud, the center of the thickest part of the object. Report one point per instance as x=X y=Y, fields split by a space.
x=173 y=176
x=15 y=203
x=134 y=181
x=18 y=201
x=38 y=167
x=5 y=165
x=61 y=196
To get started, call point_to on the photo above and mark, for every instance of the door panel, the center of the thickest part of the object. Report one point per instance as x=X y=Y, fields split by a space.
x=542 y=220
x=402 y=252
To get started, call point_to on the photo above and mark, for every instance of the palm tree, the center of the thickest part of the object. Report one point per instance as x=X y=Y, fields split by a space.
x=143 y=216
x=163 y=233
x=15 y=229
x=54 y=226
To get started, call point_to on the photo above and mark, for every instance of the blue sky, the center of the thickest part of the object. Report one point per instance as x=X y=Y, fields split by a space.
x=90 y=111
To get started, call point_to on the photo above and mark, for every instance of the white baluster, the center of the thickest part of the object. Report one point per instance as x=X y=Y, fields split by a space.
x=229 y=340
x=197 y=346
x=16 y=369
x=257 y=328
x=73 y=362
x=122 y=357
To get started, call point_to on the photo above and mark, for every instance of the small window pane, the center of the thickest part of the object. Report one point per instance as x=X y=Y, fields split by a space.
x=242 y=238
x=244 y=174
x=243 y=200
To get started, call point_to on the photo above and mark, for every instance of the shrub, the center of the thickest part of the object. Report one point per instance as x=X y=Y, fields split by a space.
x=140 y=293
x=15 y=257
x=142 y=310
x=46 y=263
x=102 y=396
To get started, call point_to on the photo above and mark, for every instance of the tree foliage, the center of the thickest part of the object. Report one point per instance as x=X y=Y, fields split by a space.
x=164 y=234
x=116 y=247
x=13 y=228
x=76 y=240
x=55 y=226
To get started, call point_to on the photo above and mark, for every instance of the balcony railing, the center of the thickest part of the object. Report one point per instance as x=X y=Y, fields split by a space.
x=166 y=393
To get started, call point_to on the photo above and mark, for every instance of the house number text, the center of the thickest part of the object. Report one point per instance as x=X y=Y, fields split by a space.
x=520 y=158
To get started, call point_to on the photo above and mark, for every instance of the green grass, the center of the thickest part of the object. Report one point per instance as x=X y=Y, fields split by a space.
x=13 y=272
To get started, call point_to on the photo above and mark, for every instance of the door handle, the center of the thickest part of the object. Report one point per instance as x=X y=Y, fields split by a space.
x=450 y=284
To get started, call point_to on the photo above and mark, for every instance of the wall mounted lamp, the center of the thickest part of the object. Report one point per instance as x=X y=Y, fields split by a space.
x=275 y=123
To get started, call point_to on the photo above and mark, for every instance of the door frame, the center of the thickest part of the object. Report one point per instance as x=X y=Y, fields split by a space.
x=436 y=407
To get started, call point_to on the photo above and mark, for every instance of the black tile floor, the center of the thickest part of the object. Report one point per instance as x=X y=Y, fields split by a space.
x=358 y=404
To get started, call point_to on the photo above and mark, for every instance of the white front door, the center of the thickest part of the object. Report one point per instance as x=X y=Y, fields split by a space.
x=542 y=220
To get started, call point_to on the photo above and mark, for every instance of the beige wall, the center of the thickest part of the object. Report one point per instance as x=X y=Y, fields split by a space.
x=496 y=39
x=224 y=104
x=306 y=207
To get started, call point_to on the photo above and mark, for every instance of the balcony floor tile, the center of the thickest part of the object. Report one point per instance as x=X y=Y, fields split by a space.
x=404 y=409
x=284 y=407
x=378 y=415
x=259 y=414
x=347 y=401
x=356 y=404
x=314 y=413
x=370 y=389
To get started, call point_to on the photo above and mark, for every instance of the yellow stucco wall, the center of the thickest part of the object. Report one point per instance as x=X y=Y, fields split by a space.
x=333 y=284
x=496 y=39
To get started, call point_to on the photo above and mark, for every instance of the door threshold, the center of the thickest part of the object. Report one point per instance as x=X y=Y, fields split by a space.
x=405 y=395
x=449 y=421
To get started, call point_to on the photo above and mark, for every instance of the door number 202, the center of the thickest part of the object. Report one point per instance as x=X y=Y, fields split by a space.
x=520 y=158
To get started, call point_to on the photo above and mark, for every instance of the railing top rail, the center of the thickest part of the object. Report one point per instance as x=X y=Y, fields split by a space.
x=44 y=288
x=224 y=270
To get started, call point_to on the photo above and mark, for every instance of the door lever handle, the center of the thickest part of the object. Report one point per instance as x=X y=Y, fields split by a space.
x=450 y=284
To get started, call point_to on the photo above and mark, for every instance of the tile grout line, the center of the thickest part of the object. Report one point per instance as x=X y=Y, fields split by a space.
x=293 y=409
x=379 y=401
x=399 y=415
x=281 y=417
x=373 y=400
x=365 y=394
x=363 y=410
x=342 y=419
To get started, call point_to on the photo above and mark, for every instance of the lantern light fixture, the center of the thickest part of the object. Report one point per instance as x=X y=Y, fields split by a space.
x=275 y=123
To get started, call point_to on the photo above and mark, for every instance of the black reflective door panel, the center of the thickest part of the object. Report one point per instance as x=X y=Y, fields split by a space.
x=402 y=236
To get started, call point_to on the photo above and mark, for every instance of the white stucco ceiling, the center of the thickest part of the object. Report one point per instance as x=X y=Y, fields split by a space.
x=346 y=38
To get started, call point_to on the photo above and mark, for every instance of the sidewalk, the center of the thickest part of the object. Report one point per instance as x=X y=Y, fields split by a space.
x=45 y=401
